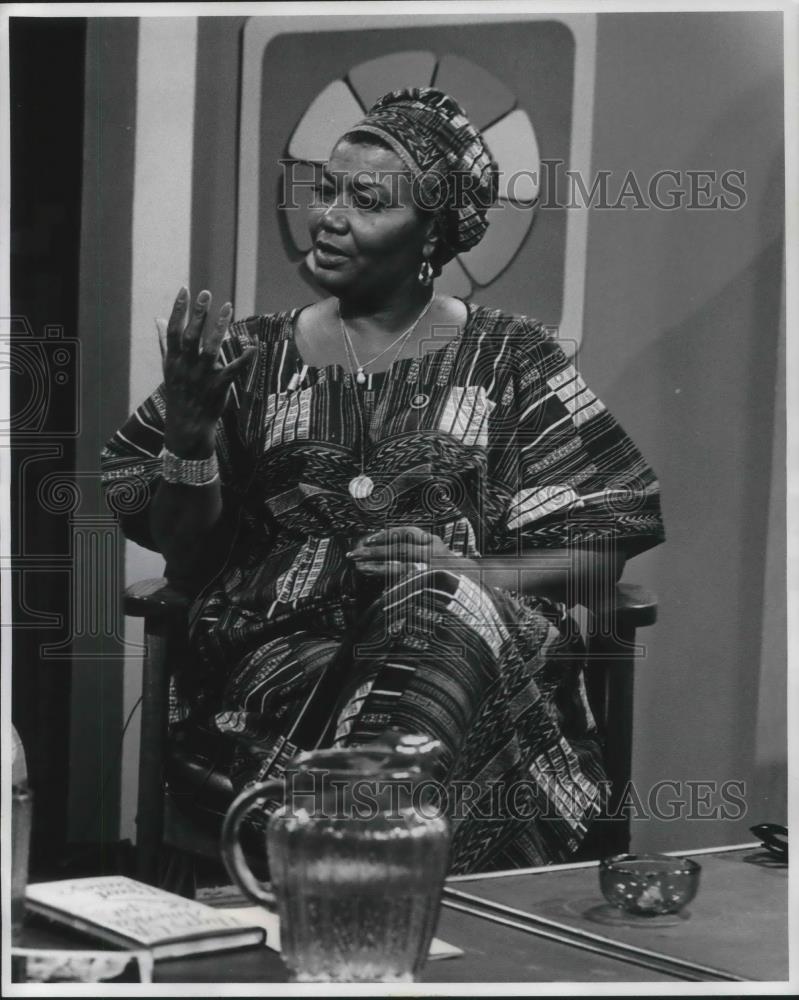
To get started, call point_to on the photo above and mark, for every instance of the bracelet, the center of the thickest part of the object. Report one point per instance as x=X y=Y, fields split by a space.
x=188 y=472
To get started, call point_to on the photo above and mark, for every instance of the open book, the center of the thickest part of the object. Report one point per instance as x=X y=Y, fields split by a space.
x=131 y=914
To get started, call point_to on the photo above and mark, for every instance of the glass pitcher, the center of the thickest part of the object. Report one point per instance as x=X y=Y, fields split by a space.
x=358 y=853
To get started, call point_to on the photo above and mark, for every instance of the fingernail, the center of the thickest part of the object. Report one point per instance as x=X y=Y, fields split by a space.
x=183 y=292
x=203 y=297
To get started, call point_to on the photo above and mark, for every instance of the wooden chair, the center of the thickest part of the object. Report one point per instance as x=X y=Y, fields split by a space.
x=162 y=824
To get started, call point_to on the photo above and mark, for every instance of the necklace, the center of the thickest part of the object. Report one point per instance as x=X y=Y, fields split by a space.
x=362 y=486
x=360 y=374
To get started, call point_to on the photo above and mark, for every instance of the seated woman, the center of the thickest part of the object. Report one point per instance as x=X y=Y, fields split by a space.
x=426 y=479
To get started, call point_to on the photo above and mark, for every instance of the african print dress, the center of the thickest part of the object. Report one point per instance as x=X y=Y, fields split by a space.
x=492 y=441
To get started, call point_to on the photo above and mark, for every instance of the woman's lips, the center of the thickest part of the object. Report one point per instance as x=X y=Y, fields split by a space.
x=327 y=255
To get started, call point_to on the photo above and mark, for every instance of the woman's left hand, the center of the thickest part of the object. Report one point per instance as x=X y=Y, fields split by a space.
x=399 y=551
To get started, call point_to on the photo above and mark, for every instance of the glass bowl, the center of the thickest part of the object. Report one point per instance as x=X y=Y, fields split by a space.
x=648 y=884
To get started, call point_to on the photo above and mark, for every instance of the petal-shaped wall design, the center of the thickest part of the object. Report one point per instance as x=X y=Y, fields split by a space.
x=508 y=225
x=483 y=97
x=331 y=114
x=523 y=188
x=513 y=143
x=371 y=80
x=454 y=281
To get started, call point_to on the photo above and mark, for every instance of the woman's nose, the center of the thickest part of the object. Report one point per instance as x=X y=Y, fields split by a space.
x=335 y=218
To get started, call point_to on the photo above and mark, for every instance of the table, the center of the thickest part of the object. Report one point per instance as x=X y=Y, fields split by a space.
x=738 y=922
x=492 y=953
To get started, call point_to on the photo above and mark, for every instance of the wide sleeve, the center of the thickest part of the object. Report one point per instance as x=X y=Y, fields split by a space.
x=564 y=469
x=130 y=462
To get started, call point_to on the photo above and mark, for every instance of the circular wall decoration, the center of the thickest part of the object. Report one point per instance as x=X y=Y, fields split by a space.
x=490 y=106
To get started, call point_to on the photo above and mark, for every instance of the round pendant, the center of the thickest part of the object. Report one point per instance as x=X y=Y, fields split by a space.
x=360 y=377
x=361 y=487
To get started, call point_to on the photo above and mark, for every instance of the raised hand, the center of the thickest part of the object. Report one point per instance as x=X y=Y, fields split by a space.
x=196 y=383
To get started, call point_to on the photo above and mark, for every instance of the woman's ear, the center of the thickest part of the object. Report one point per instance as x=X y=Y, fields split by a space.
x=432 y=238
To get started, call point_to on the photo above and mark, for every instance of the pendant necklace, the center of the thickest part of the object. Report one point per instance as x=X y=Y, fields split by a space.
x=362 y=486
x=360 y=374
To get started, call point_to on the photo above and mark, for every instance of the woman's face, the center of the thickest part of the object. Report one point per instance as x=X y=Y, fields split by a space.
x=367 y=234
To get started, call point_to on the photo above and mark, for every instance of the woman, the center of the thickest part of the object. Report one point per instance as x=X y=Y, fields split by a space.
x=426 y=479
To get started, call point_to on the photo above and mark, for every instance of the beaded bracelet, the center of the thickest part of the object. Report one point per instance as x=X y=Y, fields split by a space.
x=188 y=472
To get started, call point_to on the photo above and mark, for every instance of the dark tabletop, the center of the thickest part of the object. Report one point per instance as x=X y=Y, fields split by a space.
x=738 y=922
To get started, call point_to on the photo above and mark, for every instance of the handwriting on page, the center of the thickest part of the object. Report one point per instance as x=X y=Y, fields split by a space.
x=155 y=921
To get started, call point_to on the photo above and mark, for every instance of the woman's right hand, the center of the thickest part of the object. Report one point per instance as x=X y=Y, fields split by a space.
x=196 y=383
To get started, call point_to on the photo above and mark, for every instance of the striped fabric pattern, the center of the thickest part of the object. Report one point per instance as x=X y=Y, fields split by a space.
x=492 y=441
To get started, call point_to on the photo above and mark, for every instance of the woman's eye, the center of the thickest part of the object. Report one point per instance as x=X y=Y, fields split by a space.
x=367 y=200
x=324 y=193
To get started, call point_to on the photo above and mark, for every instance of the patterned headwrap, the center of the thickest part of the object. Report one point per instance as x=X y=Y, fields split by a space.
x=453 y=170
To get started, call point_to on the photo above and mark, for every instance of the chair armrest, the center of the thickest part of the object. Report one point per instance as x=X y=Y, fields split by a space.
x=631 y=606
x=155 y=599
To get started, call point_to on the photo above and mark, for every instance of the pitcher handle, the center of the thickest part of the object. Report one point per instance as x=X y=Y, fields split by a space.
x=233 y=855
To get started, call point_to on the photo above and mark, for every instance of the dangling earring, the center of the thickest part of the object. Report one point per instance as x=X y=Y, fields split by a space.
x=426 y=273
